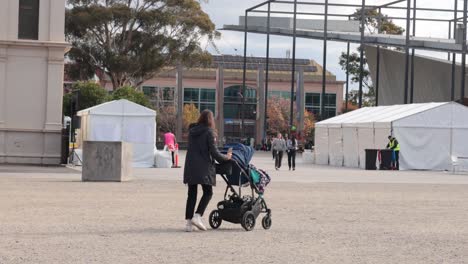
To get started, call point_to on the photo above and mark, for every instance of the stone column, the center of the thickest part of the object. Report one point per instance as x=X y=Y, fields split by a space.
x=3 y=93
x=3 y=77
x=12 y=16
x=54 y=89
x=220 y=103
x=4 y=19
x=180 y=102
x=261 y=133
x=300 y=100
x=57 y=20
x=51 y=149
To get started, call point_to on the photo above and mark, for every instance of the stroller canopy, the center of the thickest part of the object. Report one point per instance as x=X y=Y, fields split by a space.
x=240 y=153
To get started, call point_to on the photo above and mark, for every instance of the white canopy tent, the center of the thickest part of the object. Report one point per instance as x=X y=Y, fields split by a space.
x=122 y=120
x=430 y=135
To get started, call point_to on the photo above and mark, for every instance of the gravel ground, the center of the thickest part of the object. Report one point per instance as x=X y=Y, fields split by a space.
x=48 y=216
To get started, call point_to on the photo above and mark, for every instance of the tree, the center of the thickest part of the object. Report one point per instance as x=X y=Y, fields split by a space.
x=166 y=118
x=309 y=124
x=132 y=40
x=278 y=112
x=387 y=26
x=190 y=115
x=88 y=94
x=131 y=94
x=351 y=105
x=373 y=19
x=279 y=116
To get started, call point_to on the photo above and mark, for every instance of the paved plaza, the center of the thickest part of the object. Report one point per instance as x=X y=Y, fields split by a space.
x=320 y=215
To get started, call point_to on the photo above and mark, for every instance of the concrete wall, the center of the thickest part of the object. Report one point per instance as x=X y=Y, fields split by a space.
x=432 y=77
x=31 y=86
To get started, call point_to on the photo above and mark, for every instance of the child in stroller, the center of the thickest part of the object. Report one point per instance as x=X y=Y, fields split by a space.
x=235 y=208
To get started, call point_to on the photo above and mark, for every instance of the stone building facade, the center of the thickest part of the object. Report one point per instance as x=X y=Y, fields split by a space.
x=32 y=47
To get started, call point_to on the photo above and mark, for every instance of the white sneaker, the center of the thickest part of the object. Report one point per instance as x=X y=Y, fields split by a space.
x=197 y=221
x=188 y=226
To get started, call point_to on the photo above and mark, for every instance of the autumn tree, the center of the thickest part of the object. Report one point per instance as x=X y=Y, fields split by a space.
x=279 y=115
x=190 y=115
x=374 y=23
x=277 y=112
x=132 y=40
x=309 y=125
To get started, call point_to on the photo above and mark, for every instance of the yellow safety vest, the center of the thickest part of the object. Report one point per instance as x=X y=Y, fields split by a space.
x=391 y=144
x=397 y=147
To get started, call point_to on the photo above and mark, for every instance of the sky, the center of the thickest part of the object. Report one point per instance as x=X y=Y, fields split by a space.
x=227 y=12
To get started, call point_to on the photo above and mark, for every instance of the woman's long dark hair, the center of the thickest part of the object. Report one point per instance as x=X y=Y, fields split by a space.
x=293 y=139
x=207 y=118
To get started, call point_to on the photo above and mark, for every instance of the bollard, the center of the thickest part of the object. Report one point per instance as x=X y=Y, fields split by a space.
x=176 y=165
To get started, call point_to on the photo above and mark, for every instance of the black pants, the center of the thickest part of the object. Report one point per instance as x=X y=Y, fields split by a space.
x=173 y=161
x=192 y=200
x=292 y=158
x=278 y=159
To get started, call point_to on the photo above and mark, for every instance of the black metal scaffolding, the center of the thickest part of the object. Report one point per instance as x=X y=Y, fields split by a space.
x=411 y=5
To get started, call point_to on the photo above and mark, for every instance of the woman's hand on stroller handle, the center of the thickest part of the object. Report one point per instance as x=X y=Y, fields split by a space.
x=229 y=154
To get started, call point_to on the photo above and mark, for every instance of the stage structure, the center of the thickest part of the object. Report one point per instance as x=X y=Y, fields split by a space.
x=345 y=27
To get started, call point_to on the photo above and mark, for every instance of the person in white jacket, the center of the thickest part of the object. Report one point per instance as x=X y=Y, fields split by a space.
x=279 y=146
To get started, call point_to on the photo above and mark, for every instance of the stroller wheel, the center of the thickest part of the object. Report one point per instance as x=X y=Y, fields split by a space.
x=215 y=219
x=266 y=222
x=248 y=221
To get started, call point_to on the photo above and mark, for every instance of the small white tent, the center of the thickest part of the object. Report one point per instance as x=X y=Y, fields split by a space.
x=429 y=134
x=122 y=120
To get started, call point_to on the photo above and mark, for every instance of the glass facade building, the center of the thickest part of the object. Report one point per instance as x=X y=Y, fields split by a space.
x=242 y=110
x=205 y=98
x=233 y=111
x=312 y=102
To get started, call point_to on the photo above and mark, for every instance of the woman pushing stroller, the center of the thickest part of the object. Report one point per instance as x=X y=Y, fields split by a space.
x=200 y=167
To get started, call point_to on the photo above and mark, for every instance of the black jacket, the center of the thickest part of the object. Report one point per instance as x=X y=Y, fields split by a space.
x=201 y=155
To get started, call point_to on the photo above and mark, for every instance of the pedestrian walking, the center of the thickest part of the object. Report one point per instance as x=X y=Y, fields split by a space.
x=200 y=167
x=279 y=146
x=291 y=144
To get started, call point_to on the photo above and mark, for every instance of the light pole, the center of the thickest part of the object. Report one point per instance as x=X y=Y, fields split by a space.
x=241 y=96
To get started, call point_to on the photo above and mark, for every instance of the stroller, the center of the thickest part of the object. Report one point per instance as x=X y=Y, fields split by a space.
x=235 y=208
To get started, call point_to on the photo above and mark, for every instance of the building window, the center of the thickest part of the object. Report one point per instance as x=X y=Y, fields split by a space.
x=150 y=91
x=233 y=102
x=191 y=95
x=312 y=104
x=280 y=94
x=160 y=96
x=202 y=98
x=28 y=19
x=233 y=114
x=207 y=95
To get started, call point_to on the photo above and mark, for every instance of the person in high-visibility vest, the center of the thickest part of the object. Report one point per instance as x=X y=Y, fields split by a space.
x=395 y=146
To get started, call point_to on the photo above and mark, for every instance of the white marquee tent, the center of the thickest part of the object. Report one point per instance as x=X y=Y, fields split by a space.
x=430 y=135
x=122 y=120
